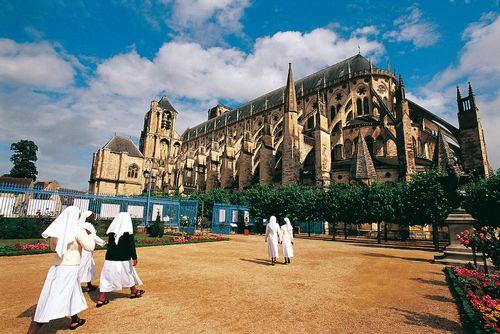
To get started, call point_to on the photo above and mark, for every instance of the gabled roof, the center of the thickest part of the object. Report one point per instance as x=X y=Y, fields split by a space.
x=164 y=103
x=121 y=144
x=311 y=83
x=443 y=156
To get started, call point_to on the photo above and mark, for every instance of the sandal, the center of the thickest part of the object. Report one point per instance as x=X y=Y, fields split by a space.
x=89 y=288
x=101 y=303
x=75 y=325
x=137 y=294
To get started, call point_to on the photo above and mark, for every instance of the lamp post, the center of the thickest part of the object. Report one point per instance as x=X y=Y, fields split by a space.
x=148 y=175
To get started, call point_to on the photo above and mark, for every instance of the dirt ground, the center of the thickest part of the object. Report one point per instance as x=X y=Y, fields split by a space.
x=229 y=287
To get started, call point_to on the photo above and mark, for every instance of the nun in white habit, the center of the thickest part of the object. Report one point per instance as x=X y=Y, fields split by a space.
x=119 y=271
x=287 y=240
x=61 y=294
x=273 y=237
x=88 y=270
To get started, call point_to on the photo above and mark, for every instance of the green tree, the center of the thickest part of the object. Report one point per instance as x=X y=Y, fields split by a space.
x=482 y=200
x=24 y=158
x=426 y=202
x=353 y=209
x=329 y=205
x=380 y=206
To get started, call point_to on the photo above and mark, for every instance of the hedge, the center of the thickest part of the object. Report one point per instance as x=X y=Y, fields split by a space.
x=29 y=228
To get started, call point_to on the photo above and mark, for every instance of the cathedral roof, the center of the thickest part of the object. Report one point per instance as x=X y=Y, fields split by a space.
x=311 y=83
x=121 y=144
x=164 y=103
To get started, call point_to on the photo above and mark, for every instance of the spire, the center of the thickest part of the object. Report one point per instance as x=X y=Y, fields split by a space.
x=349 y=68
x=401 y=83
x=443 y=157
x=459 y=97
x=471 y=93
x=371 y=66
x=362 y=167
x=388 y=65
x=290 y=98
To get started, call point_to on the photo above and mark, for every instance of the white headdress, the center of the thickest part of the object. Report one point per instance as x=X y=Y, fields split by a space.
x=64 y=228
x=89 y=227
x=288 y=224
x=272 y=220
x=120 y=225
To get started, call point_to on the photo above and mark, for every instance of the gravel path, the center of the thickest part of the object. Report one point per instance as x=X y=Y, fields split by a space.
x=229 y=287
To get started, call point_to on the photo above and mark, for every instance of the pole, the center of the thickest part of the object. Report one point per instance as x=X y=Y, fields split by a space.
x=147 y=202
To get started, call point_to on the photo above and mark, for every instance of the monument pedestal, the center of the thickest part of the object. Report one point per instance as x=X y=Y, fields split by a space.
x=456 y=253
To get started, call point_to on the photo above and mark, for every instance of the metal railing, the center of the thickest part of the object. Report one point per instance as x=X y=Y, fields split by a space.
x=19 y=202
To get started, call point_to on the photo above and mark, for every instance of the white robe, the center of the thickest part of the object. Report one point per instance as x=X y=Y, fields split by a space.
x=87 y=270
x=118 y=275
x=273 y=236
x=287 y=239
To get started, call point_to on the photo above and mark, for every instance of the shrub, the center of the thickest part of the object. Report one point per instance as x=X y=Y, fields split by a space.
x=156 y=229
x=22 y=228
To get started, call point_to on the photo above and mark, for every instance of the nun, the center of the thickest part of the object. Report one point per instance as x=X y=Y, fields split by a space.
x=273 y=237
x=61 y=294
x=287 y=240
x=119 y=271
x=87 y=265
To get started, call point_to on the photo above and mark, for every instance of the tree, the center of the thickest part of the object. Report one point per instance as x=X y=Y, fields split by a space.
x=352 y=204
x=329 y=205
x=482 y=200
x=24 y=158
x=379 y=205
x=426 y=202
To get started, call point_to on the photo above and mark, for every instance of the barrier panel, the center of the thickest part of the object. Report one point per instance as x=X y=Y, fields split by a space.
x=227 y=218
x=19 y=202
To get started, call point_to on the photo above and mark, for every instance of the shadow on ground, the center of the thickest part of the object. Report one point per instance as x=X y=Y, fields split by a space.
x=430 y=321
x=430 y=281
x=51 y=327
x=258 y=261
x=414 y=259
x=439 y=298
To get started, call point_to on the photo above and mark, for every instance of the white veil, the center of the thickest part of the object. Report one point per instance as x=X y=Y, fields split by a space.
x=64 y=228
x=120 y=225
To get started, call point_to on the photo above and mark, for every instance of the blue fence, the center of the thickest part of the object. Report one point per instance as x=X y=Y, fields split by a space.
x=312 y=227
x=16 y=201
x=227 y=218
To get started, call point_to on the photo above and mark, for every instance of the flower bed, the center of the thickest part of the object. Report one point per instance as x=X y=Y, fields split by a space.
x=180 y=239
x=23 y=249
x=478 y=296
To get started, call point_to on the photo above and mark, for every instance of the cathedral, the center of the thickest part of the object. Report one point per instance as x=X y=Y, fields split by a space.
x=348 y=122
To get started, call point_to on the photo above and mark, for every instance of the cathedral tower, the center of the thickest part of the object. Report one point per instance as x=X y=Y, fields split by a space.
x=405 y=149
x=473 y=147
x=159 y=142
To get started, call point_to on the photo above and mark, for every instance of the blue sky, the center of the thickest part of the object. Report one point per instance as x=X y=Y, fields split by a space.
x=73 y=73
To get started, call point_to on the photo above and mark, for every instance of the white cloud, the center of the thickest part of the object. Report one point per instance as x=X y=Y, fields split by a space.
x=38 y=65
x=70 y=125
x=413 y=28
x=478 y=63
x=206 y=21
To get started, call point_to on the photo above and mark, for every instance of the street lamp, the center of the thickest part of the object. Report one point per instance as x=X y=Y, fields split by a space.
x=148 y=175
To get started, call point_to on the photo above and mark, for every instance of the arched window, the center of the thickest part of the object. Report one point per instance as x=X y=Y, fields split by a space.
x=390 y=147
x=337 y=152
x=366 y=105
x=337 y=126
x=166 y=120
x=338 y=107
x=359 y=107
x=348 y=149
x=332 y=113
x=163 y=149
x=133 y=171
x=349 y=116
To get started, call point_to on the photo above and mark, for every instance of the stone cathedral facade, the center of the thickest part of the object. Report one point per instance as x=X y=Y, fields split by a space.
x=348 y=122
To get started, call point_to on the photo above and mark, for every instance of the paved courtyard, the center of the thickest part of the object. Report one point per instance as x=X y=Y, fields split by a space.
x=229 y=287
